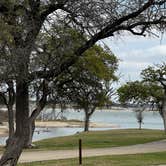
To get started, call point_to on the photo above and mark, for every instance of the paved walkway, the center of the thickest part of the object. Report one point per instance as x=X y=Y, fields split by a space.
x=157 y=146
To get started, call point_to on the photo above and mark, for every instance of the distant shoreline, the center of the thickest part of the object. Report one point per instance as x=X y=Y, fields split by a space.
x=3 y=131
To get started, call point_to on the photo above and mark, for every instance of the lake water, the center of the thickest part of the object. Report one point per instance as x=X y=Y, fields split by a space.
x=121 y=118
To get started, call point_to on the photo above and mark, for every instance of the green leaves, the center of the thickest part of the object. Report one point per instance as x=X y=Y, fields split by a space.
x=151 y=89
x=5 y=33
x=156 y=74
x=133 y=92
x=100 y=62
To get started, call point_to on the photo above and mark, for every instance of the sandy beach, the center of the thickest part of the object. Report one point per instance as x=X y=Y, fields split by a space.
x=3 y=130
x=72 y=124
x=59 y=124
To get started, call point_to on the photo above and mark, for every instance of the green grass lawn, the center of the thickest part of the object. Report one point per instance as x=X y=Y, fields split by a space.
x=150 y=159
x=101 y=139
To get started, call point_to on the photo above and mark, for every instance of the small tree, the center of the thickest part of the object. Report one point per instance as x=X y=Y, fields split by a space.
x=135 y=93
x=139 y=116
x=143 y=95
x=156 y=75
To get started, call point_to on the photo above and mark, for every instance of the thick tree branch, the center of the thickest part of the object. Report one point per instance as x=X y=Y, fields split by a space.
x=11 y=93
x=50 y=9
x=105 y=32
x=42 y=102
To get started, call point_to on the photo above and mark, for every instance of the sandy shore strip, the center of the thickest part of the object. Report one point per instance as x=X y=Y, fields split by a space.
x=59 y=124
x=72 y=124
x=3 y=130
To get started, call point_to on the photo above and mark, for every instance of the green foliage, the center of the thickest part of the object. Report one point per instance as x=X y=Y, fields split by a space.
x=96 y=68
x=100 y=62
x=141 y=93
x=155 y=74
x=133 y=92
x=152 y=89
x=83 y=82
x=5 y=33
x=56 y=47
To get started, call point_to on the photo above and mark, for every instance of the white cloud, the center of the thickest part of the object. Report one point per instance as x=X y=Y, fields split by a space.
x=155 y=54
x=136 y=54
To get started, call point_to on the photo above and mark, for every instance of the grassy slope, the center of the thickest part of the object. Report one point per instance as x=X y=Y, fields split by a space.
x=101 y=139
x=121 y=160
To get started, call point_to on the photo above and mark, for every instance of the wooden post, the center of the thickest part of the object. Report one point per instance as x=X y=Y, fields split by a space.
x=80 y=152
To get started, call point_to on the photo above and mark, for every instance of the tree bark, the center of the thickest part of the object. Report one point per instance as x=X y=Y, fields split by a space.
x=31 y=120
x=13 y=151
x=162 y=111
x=17 y=142
x=140 y=125
x=11 y=124
x=30 y=131
x=164 y=122
x=164 y=114
x=88 y=113
x=87 y=119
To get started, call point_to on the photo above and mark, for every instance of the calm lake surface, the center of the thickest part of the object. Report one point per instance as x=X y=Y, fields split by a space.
x=120 y=118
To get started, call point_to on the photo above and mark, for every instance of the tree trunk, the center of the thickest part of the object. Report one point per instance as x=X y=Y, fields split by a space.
x=87 y=118
x=14 y=149
x=164 y=122
x=88 y=114
x=11 y=124
x=140 y=125
x=162 y=111
x=164 y=114
x=30 y=130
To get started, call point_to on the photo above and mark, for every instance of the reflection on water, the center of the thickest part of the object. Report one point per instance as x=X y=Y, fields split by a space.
x=124 y=119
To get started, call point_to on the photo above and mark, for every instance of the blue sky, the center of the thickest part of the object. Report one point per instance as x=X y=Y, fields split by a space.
x=136 y=53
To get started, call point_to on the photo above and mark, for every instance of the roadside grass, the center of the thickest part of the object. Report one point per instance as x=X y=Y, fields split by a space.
x=101 y=139
x=150 y=159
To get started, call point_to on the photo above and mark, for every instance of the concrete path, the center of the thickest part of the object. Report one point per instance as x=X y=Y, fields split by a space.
x=157 y=146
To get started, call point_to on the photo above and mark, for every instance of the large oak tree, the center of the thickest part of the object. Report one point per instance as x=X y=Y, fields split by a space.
x=20 y=23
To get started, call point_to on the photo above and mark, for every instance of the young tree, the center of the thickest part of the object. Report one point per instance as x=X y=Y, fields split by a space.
x=20 y=24
x=139 y=116
x=157 y=75
x=143 y=95
x=135 y=93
